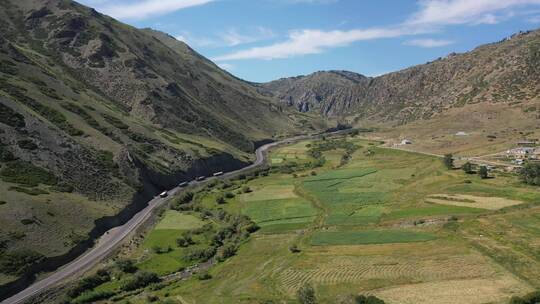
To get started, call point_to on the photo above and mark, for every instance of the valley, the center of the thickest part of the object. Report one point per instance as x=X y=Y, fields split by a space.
x=341 y=214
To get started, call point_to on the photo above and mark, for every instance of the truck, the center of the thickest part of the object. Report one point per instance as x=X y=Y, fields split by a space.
x=218 y=173
x=183 y=184
x=164 y=194
x=200 y=178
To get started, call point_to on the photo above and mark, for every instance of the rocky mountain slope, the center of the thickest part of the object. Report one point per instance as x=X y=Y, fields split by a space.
x=97 y=116
x=504 y=72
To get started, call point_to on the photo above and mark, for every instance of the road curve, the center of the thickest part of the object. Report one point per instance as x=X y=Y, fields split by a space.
x=114 y=237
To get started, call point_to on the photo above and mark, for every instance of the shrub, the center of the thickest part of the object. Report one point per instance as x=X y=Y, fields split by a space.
x=200 y=254
x=361 y=299
x=530 y=173
x=22 y=172
x=140 y=280
x=204 y=276
x=10 y=117
x=90 y=282
x=468 y=168
x=33 y=191
x=448 y=161
x=483 y=172
x=306 y=295
x=93 y=296
x=246 y=189
x=220 y=200
x=18 y=261
x=126 y=265
x=229 y=195
x=294 y=249
x=3 y=203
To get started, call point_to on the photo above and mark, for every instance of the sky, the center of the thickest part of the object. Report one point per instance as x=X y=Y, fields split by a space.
x=263 y=40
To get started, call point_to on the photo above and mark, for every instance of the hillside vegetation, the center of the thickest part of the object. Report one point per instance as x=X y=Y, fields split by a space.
x=96 y=115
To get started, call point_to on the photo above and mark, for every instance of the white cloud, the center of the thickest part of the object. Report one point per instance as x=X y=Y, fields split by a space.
x=310 y=42
x=429 y=43
x=233 y=38
x=431 y=17
x=447 y=12
x=147 y=8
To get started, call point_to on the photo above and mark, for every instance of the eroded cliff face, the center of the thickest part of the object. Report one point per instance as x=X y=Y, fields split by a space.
x=504 y=72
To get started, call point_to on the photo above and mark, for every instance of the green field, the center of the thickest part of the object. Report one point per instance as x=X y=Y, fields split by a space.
x=369 y=237
x=179 y=221
x=361 y=226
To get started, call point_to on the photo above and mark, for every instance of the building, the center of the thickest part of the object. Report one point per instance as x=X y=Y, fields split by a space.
x=526 y=143
x=461 y=133
x=406 y=142
x=523 y=153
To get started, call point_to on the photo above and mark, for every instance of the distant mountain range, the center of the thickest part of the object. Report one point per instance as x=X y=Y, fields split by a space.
x=504 y=72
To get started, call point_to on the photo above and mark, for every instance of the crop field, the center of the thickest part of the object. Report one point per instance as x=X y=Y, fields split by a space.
x=178 y=221
x=389 y=223
x=369 y=237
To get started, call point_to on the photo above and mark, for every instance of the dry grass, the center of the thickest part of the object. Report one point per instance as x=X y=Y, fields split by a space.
x=491 y=290
x=463 y=200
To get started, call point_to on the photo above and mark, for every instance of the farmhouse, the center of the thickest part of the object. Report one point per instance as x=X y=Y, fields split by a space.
x=406 y=142
x=523 y=153
x=461 y=133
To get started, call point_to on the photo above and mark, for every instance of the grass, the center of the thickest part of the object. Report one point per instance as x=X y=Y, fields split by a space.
x=174 y=220
x=369 y=237
x=270 y=211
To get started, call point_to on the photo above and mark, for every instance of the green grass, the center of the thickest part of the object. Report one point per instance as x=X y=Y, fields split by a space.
x=174 y=220
x=432 y=210
x=272 y=210
x=369 y=237
x=25 y=173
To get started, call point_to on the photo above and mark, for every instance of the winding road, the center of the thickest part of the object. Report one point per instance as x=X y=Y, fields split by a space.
x=114 y=237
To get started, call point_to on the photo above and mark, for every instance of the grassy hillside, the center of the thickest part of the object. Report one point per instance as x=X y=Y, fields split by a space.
x=96 y=115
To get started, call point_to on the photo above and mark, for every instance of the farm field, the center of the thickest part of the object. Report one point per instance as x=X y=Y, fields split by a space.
x=350 y=217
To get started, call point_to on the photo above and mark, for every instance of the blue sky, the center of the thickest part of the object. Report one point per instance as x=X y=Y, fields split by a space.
x=262 y=40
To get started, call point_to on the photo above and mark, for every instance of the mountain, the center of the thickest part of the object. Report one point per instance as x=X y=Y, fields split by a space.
x=97 y=116
x=506 y=72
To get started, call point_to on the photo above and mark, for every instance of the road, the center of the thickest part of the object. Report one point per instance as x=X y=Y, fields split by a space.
x=114 y=237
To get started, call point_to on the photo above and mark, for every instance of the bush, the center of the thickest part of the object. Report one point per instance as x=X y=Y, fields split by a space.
x=294 y=249
x=93 y=296
x=306 y=295
x=18 y=261
x=530 y=173
x=25 y=173
x=204 y=276
x=200 y=254
x=229 y=195
x=246 y=189
x=89 y=282
x=140 y=280
x=126 y=265
x=468 y=168
x=220 y=200
x=448 y=161
x=361 y=299
x=483 y=172
x=11 y=118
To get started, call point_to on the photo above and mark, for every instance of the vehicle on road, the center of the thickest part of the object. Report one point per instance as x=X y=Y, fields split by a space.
x=183 y=184
x=200 y=178
x=218 y=173
x=164 y=194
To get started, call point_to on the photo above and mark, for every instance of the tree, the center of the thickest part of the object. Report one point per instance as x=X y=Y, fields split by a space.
x=468 y=168
x=448 y=161
x=530 y=173
x=294 y=249
x=306 y=295
x=483 y=172
x=126 y=265
x=361 y=299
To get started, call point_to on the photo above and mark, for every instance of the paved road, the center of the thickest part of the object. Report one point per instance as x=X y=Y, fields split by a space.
x=114 y=237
